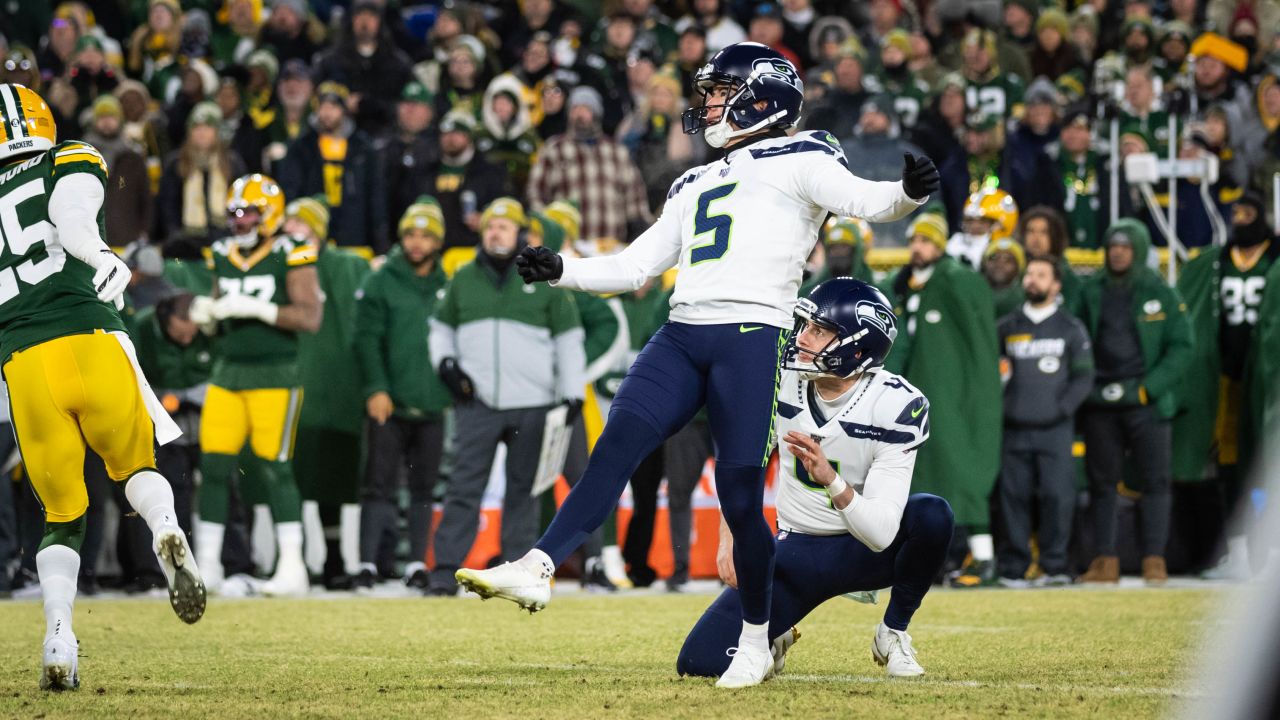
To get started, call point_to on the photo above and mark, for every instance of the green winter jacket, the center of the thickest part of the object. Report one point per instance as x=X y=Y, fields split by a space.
x=326 y=362
x=193 y=276
x=522 y=345
x=1009 y=299
x=169 y=367
x=1163 y=329
x=392 y=313
x=1194 y=425
x=953 y=359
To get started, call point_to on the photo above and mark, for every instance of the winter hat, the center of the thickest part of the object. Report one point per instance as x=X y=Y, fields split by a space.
x=504 y=207
x=930 y=226
x=425 y=214
x=107 y=106
x=1009 y=246
x=1055 y=19
x=588 y=96
x=313 y=212
x=205 y=113
x=566 y=214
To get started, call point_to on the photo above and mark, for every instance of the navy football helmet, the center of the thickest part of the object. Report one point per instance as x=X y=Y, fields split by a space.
x=860 y=317
x=753 y=72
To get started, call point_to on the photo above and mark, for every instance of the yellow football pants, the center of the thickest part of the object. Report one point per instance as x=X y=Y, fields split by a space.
x=267 y=418
x=72 y=391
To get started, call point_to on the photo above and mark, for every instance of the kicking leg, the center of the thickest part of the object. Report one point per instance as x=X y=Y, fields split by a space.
x=661 y=392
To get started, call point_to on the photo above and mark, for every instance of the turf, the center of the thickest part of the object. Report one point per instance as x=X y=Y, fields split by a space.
x=1067 y=653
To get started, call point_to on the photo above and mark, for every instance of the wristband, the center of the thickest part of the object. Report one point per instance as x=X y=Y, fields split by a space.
x=836 y=487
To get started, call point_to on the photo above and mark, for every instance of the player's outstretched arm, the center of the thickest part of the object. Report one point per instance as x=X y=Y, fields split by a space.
x=651 y=254
x=833 y=187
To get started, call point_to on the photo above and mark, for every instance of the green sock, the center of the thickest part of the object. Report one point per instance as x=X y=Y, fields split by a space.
x=70 y=534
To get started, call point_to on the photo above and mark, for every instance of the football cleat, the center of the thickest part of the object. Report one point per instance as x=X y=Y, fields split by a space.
x=525 y=582
x=892 y=649
x=780 y=646
x=595 y=579
x=975 y=574
x=750 y=667
x=186 y=589
x=60 y=666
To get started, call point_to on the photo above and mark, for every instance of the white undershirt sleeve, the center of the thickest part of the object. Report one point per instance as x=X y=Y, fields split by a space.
x=654 y=252
x=73 y=208
x=875 y=514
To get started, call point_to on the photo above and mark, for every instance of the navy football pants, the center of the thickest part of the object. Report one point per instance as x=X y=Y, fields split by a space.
x=812 y=569
x=733 y=370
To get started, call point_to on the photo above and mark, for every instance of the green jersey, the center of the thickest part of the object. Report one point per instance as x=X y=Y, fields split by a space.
x=997 y=96
x=44 y=292
x=1241 y=296
x=253 y=353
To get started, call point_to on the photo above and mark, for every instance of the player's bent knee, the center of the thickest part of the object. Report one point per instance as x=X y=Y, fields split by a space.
x=697 y=659
x=930 y=513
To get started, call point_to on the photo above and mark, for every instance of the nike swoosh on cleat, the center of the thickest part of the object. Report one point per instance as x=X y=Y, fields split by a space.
x=916 y=413
x=745 y=329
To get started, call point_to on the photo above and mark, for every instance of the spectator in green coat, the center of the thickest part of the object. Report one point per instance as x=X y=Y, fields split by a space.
x=404 y=398
x=1141 y=346
x=327 y=459
x=1233 y=301
x=947 y=347
x=1002 y=265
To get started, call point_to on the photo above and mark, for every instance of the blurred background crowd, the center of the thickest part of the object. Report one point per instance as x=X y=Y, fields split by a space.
x=400 y=133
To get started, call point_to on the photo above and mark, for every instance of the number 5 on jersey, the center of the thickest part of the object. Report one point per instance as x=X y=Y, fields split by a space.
x=704 y=222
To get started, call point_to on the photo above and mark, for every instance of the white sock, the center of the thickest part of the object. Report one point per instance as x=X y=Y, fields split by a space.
x=982 y=547
x=152 y=497
x=350 y=540
x=754 y=635
x=314 y=547
x=289 y=537
x=209 y=545
x=1238 y=549
x=58 y=567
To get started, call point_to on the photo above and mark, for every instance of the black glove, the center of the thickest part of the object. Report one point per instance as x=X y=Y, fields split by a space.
x=539 y=264
x=457 y=381
x=919 y=176
x=574 y=407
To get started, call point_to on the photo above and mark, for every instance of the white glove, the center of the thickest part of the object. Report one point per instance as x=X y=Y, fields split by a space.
x=245 y=306
x=111 y=278
x=201 y=312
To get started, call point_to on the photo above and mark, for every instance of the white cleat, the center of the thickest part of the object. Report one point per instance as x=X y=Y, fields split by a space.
x=525 y=582
x=186 y=589
x=892 y=648
x=779 y=648
x=750 y=667
x=290 y=579
x=60 y=663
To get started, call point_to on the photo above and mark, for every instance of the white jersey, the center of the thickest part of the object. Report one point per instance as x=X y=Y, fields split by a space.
x=740 y=229
x=870 y=442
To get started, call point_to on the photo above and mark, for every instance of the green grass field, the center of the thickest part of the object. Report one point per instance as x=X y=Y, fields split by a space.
x=1069 y=653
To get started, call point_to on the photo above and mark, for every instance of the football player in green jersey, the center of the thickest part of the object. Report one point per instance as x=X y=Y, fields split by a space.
x=267 y=291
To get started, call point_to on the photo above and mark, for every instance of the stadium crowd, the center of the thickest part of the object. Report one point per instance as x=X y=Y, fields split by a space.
x=420 y=145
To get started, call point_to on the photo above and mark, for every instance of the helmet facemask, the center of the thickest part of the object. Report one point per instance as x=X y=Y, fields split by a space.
x=825 y=362
x=245 y=238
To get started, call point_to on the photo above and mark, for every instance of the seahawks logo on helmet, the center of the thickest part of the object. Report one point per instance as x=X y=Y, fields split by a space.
x=774 y=67
x=875 y=315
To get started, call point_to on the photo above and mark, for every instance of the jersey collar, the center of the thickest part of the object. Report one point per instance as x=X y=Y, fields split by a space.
x=255 y=257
